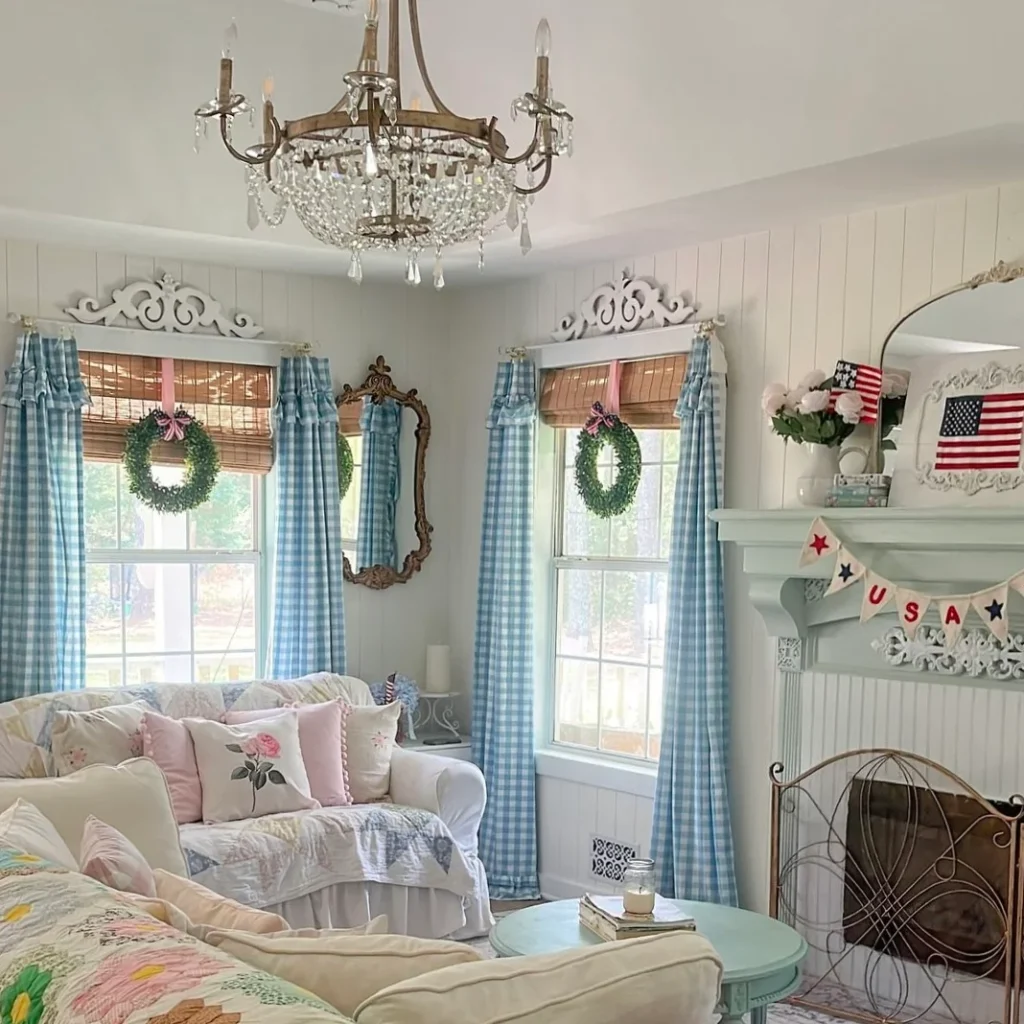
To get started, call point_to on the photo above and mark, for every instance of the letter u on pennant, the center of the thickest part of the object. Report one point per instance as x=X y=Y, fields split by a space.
x=878 y=592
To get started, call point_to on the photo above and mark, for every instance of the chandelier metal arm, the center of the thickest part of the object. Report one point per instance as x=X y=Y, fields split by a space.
x=421 y=64
x=267 y=150
x=549 y=163
x=394 y=57
x=502 y=155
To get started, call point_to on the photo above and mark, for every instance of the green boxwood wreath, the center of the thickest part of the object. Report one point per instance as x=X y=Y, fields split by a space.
x=606 y=502
x=202 y=464
x=346 y=463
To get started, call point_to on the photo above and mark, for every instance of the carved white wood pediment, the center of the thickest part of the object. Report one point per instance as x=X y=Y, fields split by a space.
x=624 y=305
x=165 y=305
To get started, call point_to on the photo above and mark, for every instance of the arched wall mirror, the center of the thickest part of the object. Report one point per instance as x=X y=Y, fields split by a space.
x=978 y=322
x=385 y=432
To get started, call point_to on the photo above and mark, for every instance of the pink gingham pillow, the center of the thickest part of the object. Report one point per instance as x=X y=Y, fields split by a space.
x=110 y=858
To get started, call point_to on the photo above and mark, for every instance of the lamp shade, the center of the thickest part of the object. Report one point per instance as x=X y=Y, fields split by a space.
x=439 y=675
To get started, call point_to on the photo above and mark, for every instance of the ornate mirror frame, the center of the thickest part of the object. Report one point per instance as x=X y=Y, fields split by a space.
x=1001 y=273
x=377 y=387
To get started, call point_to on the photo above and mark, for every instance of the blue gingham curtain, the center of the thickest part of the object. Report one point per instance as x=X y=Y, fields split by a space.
x=376 y=543
x=692 y=834
x=308 y=631
x=502 y=733
x=42 y=521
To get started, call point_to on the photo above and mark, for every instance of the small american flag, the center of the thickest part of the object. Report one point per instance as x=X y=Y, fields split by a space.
x=981 y=432
x=865 y=380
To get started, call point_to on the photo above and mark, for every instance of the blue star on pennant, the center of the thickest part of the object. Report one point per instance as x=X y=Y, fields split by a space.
x=995 y=610
x=845 y=571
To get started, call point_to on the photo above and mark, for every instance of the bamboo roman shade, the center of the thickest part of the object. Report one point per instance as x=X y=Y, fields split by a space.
x=647 y=398
x=231 y=400
x=348 y=418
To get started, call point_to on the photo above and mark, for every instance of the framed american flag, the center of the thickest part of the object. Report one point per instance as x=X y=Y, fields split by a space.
x=961 y=440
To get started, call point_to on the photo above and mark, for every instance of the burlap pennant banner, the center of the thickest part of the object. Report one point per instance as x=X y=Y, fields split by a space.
x=990 y=605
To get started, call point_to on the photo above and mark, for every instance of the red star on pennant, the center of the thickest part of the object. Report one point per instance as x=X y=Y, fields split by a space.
x=820 y=543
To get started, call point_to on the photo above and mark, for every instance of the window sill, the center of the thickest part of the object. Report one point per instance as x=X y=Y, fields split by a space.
x=600 y=772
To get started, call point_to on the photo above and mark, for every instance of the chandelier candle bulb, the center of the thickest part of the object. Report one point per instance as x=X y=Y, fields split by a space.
x=370 y=161
x=230 y=38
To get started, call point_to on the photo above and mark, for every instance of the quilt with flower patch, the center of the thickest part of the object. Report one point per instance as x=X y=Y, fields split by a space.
x=74 y=952
x=279 y=857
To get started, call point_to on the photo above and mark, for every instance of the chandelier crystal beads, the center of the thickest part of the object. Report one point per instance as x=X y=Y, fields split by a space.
x=371 y=173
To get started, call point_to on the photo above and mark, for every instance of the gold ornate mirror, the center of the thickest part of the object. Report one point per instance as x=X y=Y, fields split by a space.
x=383 y=509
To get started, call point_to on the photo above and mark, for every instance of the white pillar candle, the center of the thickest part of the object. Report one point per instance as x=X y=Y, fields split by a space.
x=439 y=678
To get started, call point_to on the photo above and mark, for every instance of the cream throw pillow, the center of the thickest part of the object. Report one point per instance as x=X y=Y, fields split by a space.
x=131 y=797
x=103 y=736
x=370 y=733
x=661 y=978
x=23 y=827
x=250 y=770
x=202 y=906
x=343 y=969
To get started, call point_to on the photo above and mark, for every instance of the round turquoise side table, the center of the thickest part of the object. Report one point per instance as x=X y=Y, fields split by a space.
x=762 y=956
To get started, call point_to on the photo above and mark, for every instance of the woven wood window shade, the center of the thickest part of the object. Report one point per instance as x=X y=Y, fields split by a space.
x=231 y=400
x=647 y=398
x=348 y=418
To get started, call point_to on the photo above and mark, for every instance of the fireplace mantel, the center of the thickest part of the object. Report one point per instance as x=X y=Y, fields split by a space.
x=932 y=550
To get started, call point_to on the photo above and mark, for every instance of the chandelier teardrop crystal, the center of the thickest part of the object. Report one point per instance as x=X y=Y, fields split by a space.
x=371 y=173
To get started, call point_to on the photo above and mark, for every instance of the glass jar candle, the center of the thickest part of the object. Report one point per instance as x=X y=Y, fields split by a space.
x=638 y=886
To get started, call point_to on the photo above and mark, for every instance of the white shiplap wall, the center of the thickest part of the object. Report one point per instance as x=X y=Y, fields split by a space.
x=389 y=630
x=796 y=297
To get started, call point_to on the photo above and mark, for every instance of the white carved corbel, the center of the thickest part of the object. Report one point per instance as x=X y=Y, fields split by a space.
x=165 y=305
x=623 y=305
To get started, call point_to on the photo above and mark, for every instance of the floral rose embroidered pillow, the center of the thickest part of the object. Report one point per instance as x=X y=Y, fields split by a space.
x=250 y=770
x=103 y=736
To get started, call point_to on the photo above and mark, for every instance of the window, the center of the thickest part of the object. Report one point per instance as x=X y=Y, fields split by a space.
x=174 y=598
x=611 y=578
x=350 y=503
x=171 y=598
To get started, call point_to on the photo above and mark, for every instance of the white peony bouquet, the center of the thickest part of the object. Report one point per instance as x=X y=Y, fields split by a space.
x=802 y=413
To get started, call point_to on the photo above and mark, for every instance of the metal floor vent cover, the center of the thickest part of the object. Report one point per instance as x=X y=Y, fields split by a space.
x=608 y=857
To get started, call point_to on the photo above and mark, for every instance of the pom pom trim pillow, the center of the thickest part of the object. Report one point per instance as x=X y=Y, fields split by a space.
x=250 y=770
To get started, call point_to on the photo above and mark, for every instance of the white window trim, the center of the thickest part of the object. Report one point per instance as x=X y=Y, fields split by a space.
x=200 y=556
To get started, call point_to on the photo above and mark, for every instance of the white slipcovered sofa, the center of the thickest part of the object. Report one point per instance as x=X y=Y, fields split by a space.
x=413 y=859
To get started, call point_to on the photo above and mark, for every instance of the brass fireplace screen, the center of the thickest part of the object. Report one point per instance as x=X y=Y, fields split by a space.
x=906 y=884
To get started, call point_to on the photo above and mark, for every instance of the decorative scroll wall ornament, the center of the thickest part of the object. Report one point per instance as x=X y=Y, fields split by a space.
x=165 y=305
x=622 y=306
x=976 y=653
x=814 y=589
x=789 y=653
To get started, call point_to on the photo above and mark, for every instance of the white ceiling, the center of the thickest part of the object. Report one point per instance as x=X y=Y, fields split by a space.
x=695 y=118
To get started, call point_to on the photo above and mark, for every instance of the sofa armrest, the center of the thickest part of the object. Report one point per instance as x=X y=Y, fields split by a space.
x=453 y=790
x=661 y=979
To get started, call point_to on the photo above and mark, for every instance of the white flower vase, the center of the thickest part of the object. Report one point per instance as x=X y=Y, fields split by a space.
x=819 y=471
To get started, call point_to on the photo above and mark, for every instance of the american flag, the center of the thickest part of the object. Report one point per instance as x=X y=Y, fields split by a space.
x=981 y=432
x=865 y=380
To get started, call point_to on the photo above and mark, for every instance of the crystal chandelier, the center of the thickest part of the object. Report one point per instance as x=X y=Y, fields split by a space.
x=371 y=173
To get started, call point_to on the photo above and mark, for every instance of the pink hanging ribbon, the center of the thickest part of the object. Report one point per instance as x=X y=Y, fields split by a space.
x=614 y=385
x=172 y=423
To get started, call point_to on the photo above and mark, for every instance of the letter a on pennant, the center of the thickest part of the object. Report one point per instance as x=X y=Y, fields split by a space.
x=820 y=543
x=910 y=607
x=878 y=592
x=952 y=612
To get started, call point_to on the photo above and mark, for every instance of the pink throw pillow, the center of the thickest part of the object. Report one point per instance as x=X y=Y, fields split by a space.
x=322 y=742
x=110 y=858
x=167 y=742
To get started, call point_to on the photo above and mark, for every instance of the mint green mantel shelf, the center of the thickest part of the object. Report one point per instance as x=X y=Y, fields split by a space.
x=761 y=956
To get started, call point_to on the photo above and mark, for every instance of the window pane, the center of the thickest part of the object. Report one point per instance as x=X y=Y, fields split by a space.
x=225 y=522
x=576 y=684
x=634 y=534
x=654 y=714
x=585 y=533
x=101 y=505
x=579 y=613
x=169 y=668
x=225 y=668
x=670 y=447
x=623 y=710
x=157 y=608
x=350 y=507
x=627 y=617
x=142 y=527
x=669 y=473
x=225 y=616
x=655 y=616
x=103 y=609
x=103 y=672
x=650 y=445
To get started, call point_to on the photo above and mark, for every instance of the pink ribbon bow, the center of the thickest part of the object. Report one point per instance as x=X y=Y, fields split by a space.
x=598 y=418
x=173 y=424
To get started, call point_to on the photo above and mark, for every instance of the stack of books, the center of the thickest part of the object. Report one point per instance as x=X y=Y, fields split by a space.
x=605 y=917
x=861 y=490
